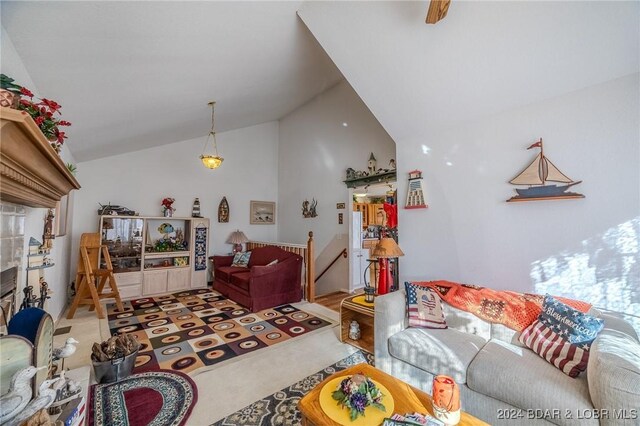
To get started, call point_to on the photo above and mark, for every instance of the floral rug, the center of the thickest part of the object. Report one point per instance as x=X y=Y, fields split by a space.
x=194 y=329
x=281 y=408
x=155 y=398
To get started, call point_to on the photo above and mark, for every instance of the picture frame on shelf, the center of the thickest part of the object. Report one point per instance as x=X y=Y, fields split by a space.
x=262 y=212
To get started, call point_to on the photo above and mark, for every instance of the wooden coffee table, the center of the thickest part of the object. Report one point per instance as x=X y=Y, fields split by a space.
x=407 y=399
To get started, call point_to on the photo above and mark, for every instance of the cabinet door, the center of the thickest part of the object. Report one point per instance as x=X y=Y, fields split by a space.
x=177 y=279
x=358 y=265
x=154 y=282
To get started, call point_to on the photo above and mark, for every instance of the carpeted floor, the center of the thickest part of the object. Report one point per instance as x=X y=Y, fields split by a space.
x=281 y=408
x=193 y=329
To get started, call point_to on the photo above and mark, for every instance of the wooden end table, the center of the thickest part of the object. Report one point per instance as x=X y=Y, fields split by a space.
x=364 y=315
x=407 y=399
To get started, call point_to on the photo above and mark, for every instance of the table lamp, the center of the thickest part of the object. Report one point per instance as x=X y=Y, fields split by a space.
x=386 y=249
x=237 y=238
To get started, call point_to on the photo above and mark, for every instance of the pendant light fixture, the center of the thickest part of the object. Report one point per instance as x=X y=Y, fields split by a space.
x=211 y=161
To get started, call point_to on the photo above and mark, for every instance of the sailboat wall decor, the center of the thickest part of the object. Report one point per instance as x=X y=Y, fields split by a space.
x=537 y=174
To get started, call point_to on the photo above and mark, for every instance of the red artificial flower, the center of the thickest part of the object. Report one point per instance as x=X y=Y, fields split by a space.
x=25 y=102
x=26 y=92
x=39 y=120
x=53 y=106
x=61 y=137
x=63 y=123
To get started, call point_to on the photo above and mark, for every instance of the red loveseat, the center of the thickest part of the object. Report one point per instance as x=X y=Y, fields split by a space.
x=259 y=286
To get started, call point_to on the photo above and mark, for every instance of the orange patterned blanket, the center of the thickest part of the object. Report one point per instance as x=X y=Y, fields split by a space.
x=514 y=310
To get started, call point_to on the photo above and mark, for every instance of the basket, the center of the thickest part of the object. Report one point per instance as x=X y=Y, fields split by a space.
x=115 y=369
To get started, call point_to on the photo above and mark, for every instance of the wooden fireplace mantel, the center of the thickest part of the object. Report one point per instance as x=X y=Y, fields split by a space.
x=31 y=172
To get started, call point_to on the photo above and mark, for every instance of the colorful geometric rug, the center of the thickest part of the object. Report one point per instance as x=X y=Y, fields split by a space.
x=281 y=408
x=158 y=398
x=192 y=329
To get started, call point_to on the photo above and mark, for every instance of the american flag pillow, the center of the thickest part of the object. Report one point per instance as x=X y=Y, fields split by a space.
x=424 y=307
x=562 y=336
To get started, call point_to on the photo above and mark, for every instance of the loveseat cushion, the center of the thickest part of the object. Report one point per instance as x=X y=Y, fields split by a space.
x=264 y=255
x=446 y=351
x=519 y=377
x=224 y=273
x=241 y=280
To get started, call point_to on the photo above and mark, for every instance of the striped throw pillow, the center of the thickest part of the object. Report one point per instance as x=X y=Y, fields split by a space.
x=424 y=307
x=562 y=336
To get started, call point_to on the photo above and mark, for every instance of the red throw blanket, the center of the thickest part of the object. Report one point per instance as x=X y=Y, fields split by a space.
x=514 y=310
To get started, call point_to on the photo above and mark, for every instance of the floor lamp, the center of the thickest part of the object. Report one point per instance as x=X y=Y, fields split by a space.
x=386 y=249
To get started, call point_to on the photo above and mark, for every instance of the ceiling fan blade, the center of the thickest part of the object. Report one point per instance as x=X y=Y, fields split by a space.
x=437 y=10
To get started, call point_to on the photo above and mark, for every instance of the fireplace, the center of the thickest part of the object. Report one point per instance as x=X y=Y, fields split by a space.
x=8 y=286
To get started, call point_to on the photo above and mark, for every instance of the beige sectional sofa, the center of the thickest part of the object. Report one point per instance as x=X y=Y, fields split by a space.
x=502 y=381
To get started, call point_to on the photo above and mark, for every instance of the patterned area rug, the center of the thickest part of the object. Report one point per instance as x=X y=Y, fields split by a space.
x=192 y=329
x=159 y=398
x=281 y=408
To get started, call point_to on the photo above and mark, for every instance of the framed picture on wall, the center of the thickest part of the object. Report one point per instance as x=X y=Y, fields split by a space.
x=262 y=213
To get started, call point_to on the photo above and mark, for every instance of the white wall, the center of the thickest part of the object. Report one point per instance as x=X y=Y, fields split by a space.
x=140 y=180
x=475 y=90
x=315 y=151
x=58 y=276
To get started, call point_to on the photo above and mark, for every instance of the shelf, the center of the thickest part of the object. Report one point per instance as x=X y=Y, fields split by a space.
x=380 y=177
x=33 y=174
x=159 y=268
x=33 y=268
x=162 y=254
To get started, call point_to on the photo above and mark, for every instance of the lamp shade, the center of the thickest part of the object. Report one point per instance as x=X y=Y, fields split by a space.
x=237 y=237
x=211 y=161
x=386 y=248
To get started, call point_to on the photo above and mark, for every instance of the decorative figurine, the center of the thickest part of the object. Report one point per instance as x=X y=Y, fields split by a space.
x=48 y=234
x=46 y=396
x=309 y=209
x=65 y=351
x=351 y=173
x=354 y=330
x=195 y=212
x=19 y=394
x=372 y=164
x=223 y=211
x=167 y=207
x=392 y=164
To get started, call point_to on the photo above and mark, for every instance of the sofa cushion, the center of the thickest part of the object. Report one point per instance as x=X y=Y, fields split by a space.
x=224 y=272
x=466 y=321
x=562 y=336
x=521 y=378
x=241 y=259
x=424 y=307
x=446 y=351
x=241 y=280
x=264 y=255
x=614 y=372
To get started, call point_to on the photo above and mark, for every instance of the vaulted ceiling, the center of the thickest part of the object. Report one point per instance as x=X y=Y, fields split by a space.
x=132 y=75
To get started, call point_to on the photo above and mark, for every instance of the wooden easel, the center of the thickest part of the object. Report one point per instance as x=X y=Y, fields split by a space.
x=87 y=292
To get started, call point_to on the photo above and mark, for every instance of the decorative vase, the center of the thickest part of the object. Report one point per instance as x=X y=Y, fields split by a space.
x=354 y=330
x=9 y=99
x=446 y=400
x=168 y=213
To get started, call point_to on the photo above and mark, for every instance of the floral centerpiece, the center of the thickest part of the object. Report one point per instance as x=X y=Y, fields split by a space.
x=43 y=111
x=167 y=206
x=357 y=393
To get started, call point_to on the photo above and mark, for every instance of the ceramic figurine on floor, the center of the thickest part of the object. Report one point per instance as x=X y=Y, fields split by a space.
x=354 y=330
x=19 y=395
x=65 y=351
x=46 y=396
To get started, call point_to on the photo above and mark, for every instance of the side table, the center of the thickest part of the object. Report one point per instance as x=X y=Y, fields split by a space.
x=356 y=309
